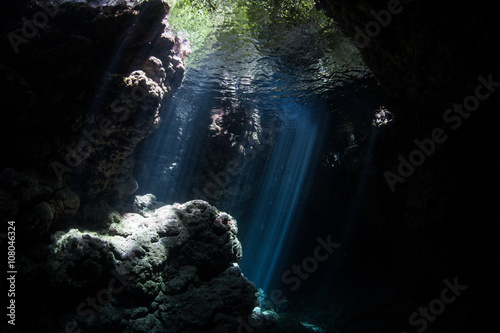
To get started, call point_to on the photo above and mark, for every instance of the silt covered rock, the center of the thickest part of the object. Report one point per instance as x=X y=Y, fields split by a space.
x=170 y=270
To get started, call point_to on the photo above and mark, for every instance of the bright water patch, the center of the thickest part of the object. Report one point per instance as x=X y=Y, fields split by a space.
x=283 y=185
x=175 y=149
x=277 y=73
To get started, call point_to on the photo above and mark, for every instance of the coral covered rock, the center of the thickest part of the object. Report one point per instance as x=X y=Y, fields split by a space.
x=172 y=271
x=80 y=94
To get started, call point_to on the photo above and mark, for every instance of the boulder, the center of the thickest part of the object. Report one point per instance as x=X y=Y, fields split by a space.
x=172 y=270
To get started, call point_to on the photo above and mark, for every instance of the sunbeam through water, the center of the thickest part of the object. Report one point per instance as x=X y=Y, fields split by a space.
x=283 y=186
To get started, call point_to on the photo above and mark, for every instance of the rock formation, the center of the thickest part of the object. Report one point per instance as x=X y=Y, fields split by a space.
x=82 y=88
x=427 y=53
x=162 y=269
x=82 y=85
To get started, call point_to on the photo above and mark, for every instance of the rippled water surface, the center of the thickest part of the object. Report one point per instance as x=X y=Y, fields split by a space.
x=270 y=62
x=272 y=73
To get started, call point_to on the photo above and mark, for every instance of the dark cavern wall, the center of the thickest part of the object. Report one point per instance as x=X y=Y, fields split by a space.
x=82 y=87
x=83 y=91
x=438 y=61
x=86 y=88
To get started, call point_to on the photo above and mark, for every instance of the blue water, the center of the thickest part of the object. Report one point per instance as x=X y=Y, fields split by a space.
x=284 y=183
x=281 y=181
x=285 y=90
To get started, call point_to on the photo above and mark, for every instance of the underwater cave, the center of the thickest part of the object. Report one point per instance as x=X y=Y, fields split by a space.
x=249 y=166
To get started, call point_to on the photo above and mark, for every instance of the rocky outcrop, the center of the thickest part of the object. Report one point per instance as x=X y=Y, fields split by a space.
x=428 y=53
x=165 y=269
x=434 y=59
x=82 y=86
x=227 y=142
x=429 y=56
x=239 y=141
